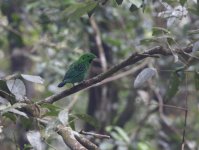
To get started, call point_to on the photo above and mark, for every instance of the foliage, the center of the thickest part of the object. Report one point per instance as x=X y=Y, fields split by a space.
x=146 y=113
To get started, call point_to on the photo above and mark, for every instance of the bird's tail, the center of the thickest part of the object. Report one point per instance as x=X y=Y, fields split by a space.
x=61 y=84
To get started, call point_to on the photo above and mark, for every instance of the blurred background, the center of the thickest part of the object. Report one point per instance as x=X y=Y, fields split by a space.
x=43 y=37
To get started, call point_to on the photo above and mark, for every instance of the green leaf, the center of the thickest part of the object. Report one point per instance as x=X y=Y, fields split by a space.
x=119 y=2
x=53 y=110
x=115 y=136
x=91 y=12
x=118 y=133
x=71 y=122
x=12 y=108
x=148 y=41
x=159 y=31
x=194 y=11
x=27 y=123
x=4 y=89
x=171 y=40
x=27 y=147
x=143 y=146
x=75 y=11
x=182 y=2
x=122 y=134
x=87 y=118
x=112 y=41
x=196 y=78
x=3 y=86
x=11 y=116
x=133 y=8
x=32 y=5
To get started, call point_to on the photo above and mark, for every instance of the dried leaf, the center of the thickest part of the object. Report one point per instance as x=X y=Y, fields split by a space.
x=17 y=88
x=143 y=76
x=35 y=79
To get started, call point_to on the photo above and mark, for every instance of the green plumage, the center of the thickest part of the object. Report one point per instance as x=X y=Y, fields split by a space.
x=78 y=70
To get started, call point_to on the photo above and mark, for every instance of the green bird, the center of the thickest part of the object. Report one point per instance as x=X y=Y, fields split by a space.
x=78 y=70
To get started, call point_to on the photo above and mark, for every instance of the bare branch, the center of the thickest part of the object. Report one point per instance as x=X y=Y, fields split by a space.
x=101 y=136
x=99 y=42
x=134 y=58
x=85 y=142
x=185 y=117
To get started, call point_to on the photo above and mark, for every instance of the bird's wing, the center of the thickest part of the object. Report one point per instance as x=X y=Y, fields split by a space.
x=75 y=70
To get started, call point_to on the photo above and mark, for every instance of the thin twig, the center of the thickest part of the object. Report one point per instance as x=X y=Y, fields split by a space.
x=172 y=106
x=186 y=113
x=72 y=103
x=101 y=136
x=5 y=94
x=160 y=100
x=99 y=43
x=144 y=119
x=49 y=145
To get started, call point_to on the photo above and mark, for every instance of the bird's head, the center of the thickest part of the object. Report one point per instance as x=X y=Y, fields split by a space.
x=87 y=57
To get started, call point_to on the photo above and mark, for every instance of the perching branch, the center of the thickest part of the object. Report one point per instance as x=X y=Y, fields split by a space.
x=73 y=139
x=134 y=58
x=120 y=75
